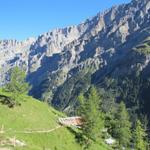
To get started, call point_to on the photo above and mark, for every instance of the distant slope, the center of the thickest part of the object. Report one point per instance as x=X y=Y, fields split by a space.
x=36 y=116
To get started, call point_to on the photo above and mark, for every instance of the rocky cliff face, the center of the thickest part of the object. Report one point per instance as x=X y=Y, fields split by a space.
x=103 y=45
x=13 y=53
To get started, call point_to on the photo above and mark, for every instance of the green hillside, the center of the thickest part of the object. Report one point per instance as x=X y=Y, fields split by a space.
x=36 y=125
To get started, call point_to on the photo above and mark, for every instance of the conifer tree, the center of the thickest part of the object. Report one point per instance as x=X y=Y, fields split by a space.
x=90 y=111
x=139 y=137
x=121 y=130
x=17 y=83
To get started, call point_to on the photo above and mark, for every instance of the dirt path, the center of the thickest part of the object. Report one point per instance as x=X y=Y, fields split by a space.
x=39 y=131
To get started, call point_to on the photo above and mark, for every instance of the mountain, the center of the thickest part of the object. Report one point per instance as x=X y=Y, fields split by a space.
x=110 y=50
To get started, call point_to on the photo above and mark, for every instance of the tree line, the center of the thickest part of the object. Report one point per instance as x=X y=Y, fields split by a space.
x=117 y=122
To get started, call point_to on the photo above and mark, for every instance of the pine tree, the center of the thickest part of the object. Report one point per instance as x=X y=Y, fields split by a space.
x=90 y=111
x=121 y=129
x=17 y=83
x=139 y=137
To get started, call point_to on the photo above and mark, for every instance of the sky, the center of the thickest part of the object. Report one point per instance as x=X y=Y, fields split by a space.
x=21 y=19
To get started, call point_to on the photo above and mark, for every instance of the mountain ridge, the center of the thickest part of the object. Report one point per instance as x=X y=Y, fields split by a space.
x=93 y=47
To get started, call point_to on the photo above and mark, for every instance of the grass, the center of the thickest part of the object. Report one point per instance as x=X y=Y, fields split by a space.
x=36 y=115
x=144 y=48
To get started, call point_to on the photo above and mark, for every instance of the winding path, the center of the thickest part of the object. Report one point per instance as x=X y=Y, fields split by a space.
x=39 y=131
x=33 y=131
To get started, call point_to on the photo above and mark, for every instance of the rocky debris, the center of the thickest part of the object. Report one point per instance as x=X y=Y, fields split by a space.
x=12 y=142
x=110 y=141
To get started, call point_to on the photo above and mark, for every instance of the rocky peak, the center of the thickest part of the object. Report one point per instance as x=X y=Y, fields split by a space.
x=4 y=44
x=8 y=43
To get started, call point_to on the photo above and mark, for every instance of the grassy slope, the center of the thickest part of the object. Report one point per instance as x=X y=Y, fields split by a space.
x=144 y=47
x=35 y=115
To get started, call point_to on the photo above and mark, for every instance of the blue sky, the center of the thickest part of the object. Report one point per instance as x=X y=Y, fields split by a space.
x=20 y=19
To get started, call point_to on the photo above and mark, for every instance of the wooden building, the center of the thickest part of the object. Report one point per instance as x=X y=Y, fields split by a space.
x=71 y=121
